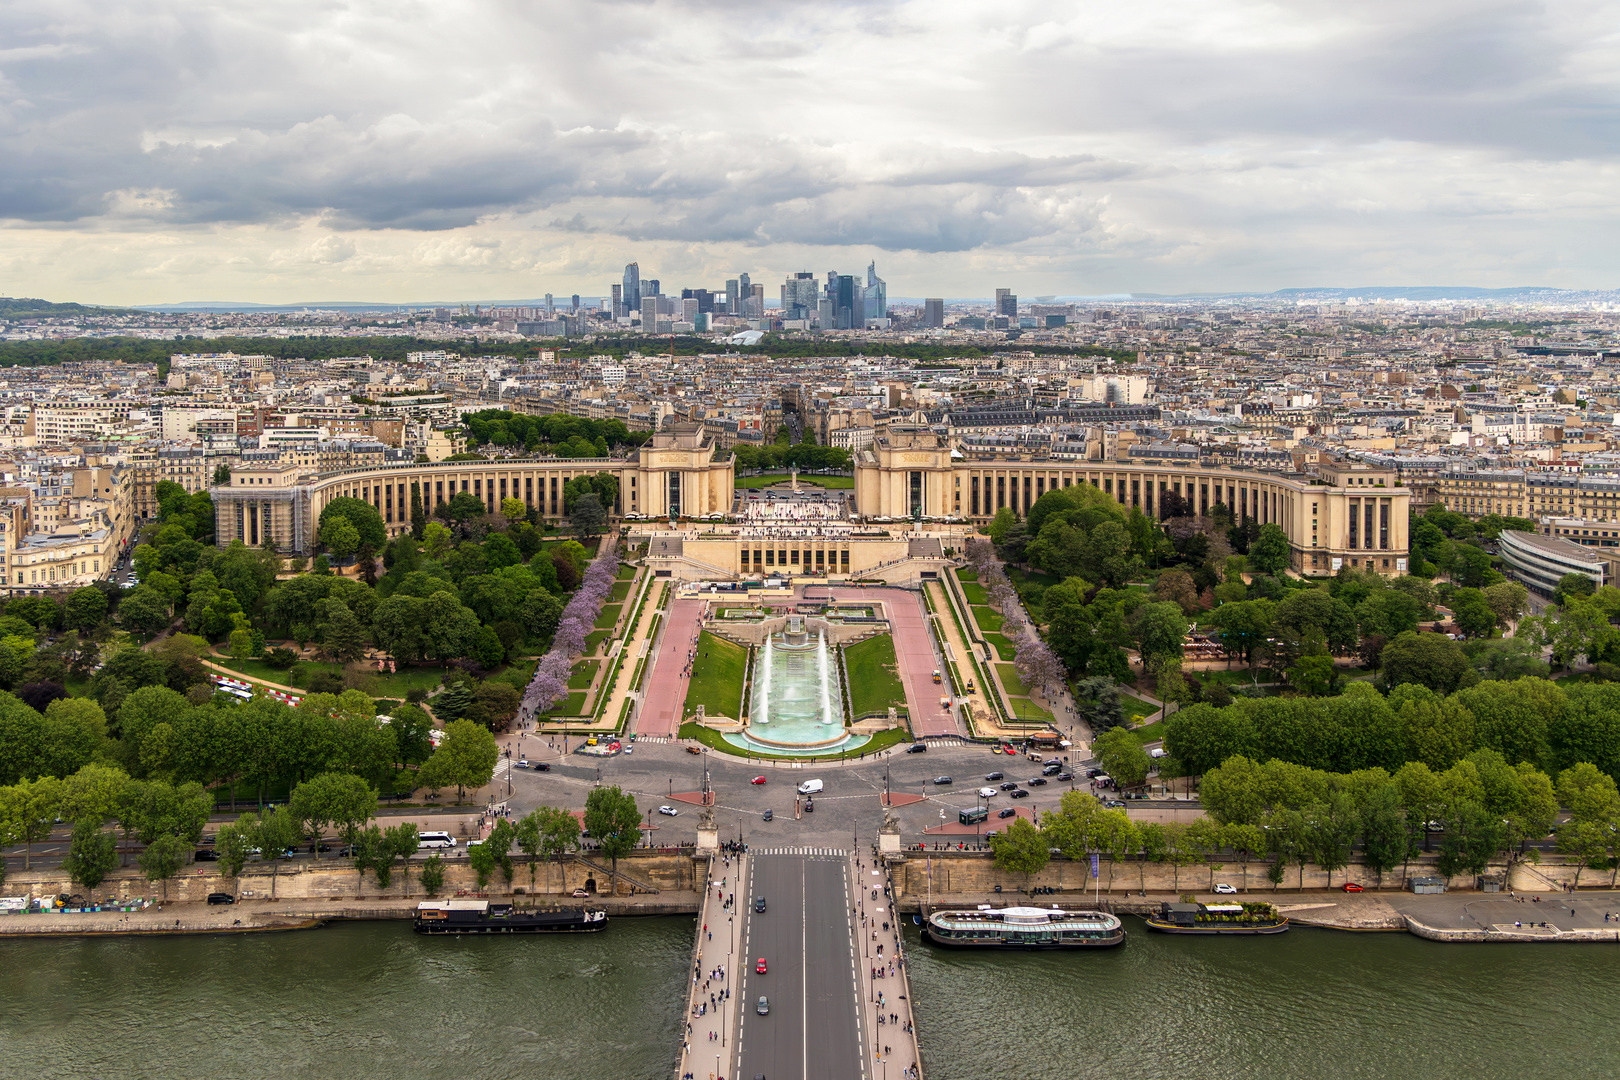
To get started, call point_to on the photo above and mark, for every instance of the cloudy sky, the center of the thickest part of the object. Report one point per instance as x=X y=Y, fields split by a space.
x=165 y=150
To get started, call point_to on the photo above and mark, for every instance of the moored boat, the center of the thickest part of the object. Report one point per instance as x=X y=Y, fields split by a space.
x=1024 y=928
x=1246 y=918
x=482 y=917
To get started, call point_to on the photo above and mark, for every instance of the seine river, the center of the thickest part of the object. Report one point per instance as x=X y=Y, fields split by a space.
x=376 y=1002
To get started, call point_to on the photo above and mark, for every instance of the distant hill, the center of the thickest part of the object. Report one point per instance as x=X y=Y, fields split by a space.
x=12 y=307
x=1523 y=293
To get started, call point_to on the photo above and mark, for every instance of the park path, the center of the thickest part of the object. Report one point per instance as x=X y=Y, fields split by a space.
x=664 y=698
x=632 y=645
x=914 y=653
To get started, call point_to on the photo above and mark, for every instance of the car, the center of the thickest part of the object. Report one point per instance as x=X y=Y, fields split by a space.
x=523 y=763
x=1090 y=773
x=943 y=780
x=1055 y=761
x=1035 y=781
x=542 y=766
x=1009 y=785
x=1225 y=890
x=917 y=748
x=759 y=966
x=668 y=811
x=767 y=815
x=221 y=898
x=1006 y=812
x=1051 y=770
x=1115 y=804
x=1351 y=886
x=994 y=776
x=764 y=1006
x=759 y=903
x=1064 y=777
x=206 y=855
x=1019 y=794
x=693 y=750
x=757 y=780
x=987 y=793
x=580 y=894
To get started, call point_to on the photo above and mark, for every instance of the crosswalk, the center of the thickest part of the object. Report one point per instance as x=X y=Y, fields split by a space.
x=652 y=739
x=839 y=852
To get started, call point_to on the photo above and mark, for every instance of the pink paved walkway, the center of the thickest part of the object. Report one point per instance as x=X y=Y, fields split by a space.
x=665 y=692
x=914 y=649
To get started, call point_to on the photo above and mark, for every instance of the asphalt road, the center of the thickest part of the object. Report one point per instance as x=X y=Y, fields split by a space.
x=804 y=937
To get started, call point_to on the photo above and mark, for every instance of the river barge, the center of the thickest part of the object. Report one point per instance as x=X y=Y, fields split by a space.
x=1250 y=918
x=483 y=917
x=1024 y=928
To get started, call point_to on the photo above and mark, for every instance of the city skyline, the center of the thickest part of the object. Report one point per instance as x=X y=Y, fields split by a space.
x=165 y=154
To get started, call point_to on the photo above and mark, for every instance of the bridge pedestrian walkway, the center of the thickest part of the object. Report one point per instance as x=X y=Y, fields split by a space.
x=708 y=1050
x=887 y=1022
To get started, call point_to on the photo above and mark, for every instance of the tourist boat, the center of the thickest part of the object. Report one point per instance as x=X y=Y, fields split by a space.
x=483 y=917
x=1250 y=918
x=1024 y=928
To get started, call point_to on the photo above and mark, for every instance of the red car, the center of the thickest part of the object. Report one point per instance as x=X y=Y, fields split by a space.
x=1351 y=886
x=760 y=967
x=757 y=780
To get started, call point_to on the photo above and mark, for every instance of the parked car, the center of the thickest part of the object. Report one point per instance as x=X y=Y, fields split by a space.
x=694 y=750
x=1351 y=886
x=580 y=894
x=221 y=898
x=206 y=855
x=917 y=748
x=1225 y=890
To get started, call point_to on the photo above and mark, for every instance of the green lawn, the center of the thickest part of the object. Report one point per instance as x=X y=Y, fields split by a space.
x=717 y=677
x=783 y=478
x=621 y=591
x=1003 y=647
x=583 y=673
x=626 y=571
x=1011 y=680
x=572 y=705
x=594 y=639
x=609 y=616
x=874 y=677
x=1023 y=709
x=986 y=617
x=965 y=574
x=975 y=593
x=376 y=683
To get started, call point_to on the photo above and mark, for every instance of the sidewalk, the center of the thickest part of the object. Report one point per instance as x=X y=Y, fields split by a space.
x=633 y=642
x=887 y=1021
x=709 y=1049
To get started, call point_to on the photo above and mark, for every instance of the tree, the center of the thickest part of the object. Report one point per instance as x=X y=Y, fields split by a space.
x=163 y=859
x=1269 y=554
x=588 y=517
x=1160 y=631
x=277 y=830
x=365 y=519
x=559 y=833
x=85 y=609
x=1118 y=752
x=342 y=638
x=1431 y=660
x=432 y=875
x=1021 y=849
x=1571 y=585
x=1508 y=599
x=1314 y=676
x=340 y=537
x=339 y=799
x=233 y=844
x=466 y=758
x=614 y=822
x=482 y=860
x=92 y=854
x=28 y=810
x=1242 y=627
x=145 y=610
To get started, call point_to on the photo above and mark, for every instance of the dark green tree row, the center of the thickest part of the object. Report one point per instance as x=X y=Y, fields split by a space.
x=559 y=434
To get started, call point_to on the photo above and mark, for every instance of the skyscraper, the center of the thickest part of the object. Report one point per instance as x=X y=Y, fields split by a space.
x=875 y=297
x=632 y=288
x=844 y=303
x=549 y=309
x=799 y=295
x=733 y=297
x=1006 y=303
x=934 y=313
x=576 y=301
x=617 y=310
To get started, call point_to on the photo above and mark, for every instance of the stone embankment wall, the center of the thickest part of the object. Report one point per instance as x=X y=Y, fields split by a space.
x=962 y=873
x=337 y=880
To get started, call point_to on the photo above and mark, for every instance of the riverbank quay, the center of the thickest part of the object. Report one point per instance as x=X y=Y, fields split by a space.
x=267 y=915
x=711 y=1010
x=888 y=1024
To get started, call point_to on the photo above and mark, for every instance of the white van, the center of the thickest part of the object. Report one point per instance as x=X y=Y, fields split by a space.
x=434 y=840
x=810 y=787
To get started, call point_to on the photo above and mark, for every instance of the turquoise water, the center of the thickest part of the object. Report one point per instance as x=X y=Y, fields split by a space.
x=797 y=703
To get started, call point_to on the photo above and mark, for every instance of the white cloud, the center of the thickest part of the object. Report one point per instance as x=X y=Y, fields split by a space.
x=508 y=148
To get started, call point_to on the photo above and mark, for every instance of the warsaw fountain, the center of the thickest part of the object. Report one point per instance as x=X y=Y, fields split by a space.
x=797 y=705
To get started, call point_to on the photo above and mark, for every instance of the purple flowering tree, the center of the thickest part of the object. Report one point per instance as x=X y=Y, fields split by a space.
x=550 y=682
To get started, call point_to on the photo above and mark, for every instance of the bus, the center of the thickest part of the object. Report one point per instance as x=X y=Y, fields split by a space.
x=435 y=840
x=973 y=816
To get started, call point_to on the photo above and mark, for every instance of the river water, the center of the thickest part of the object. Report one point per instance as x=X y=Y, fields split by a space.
x=373 y=1001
